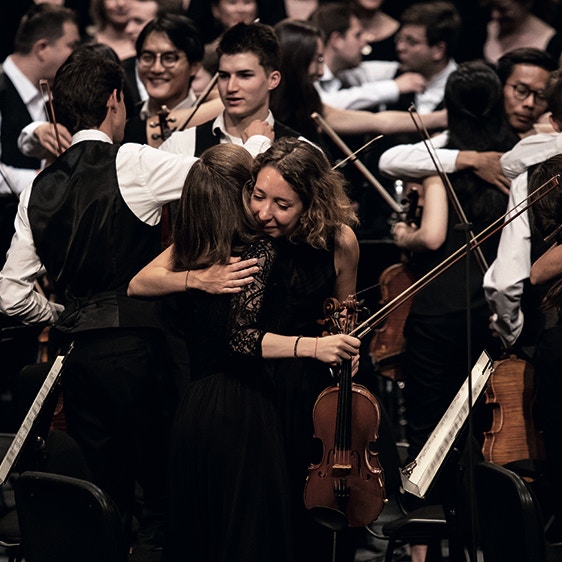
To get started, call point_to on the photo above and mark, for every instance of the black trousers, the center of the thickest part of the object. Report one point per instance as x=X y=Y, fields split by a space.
x=548 y=380
x=114 y=410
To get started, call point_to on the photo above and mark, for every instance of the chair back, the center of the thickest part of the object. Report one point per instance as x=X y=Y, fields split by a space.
x=65 y=519
x=510 y=522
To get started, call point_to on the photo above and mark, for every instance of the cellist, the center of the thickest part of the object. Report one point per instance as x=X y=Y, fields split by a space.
x=436 y=357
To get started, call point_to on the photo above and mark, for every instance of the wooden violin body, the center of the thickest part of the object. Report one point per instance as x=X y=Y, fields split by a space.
x=388 y=344
x=513 y=435
x=346 y=488
x=350 y=493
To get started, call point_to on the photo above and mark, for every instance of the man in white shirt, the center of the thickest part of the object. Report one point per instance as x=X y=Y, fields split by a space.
x=91 y=219
x=248 y=56
x=506 y=281
x=46 y=36
x=347 y=81
x=523 y=73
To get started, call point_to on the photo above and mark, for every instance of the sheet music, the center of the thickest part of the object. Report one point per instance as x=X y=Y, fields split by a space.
x=16 y=446
x=419 y=474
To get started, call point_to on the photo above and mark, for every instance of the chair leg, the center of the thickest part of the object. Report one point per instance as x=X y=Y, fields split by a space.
x=389 y=554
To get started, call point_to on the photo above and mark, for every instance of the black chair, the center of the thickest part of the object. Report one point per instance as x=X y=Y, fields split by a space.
x=10 y=538
x=510 y=521
x=65 y=519
x=397 y=525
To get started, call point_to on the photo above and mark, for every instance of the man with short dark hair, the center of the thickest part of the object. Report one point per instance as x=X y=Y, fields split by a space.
x=44 y=39
x=249 y=58
x=91 y=219
x=524 y=73
x=348 y=82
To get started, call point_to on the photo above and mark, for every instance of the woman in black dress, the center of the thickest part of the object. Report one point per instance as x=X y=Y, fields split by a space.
x=243 y=433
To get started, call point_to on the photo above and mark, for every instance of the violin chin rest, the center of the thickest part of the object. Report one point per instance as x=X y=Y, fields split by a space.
x=329 y=517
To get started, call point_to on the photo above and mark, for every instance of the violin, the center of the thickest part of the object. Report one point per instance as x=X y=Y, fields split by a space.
x=513 y=435
x=346 y=488
x=166 y=121
x=388 y=343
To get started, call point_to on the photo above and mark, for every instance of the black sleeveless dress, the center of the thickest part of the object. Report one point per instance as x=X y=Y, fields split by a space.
x=244 y=420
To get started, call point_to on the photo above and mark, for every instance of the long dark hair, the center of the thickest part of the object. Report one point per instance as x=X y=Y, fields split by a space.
x=477 y=121
x=210 y=219
x=296 y=98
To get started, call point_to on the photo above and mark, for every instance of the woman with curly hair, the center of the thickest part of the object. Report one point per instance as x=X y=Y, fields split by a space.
x=243 y=437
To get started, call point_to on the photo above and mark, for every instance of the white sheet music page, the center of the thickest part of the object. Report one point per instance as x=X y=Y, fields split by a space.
x=419 y=474
x=16 y=446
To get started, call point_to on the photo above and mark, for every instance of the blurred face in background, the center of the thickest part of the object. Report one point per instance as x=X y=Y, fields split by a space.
x=351 y=44
x=231 y=12
x=117 y=12
x=508 y=14
x=316 y=66
x=140 y=13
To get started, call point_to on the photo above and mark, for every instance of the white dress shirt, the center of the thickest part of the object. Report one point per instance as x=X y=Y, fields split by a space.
x=148 y=178
x=183 y=142
x=503 y=282
x=19 y=178
x=365 y=86
x=413 y=161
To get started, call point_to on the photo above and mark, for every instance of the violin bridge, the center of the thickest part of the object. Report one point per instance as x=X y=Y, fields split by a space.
x=340 y=470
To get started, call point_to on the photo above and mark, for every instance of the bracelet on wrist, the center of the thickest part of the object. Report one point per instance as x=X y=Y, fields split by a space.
x=296 y=344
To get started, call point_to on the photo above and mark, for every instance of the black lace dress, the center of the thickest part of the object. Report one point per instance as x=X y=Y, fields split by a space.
x=243 y=419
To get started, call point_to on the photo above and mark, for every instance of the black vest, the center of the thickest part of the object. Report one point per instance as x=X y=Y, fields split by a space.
x=205 y=137
x=89 y=240
x=15 y=117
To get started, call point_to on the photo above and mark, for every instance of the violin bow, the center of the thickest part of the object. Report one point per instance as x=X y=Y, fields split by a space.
x=49 y=109
x=343 y=162
x=420 y=126
x=204 y=95
x=365 y=327
x=357 y=163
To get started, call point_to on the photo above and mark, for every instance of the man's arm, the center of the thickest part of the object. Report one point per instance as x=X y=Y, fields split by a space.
x=18 y=297
x=504 y=281
x=370 y=84
x=529 y=151
x=414 y=161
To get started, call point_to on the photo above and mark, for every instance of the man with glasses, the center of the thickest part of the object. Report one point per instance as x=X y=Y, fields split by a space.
x=524 y=73
x=347 y=81
x=426 y=43
x=169 y=54
x=513 y=302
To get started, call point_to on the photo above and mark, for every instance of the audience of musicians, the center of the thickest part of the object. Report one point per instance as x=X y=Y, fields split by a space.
x=489 y=99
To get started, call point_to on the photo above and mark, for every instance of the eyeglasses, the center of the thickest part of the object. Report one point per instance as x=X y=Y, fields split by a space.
x=168 y=59
x=410 y=41
x=522 y=92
